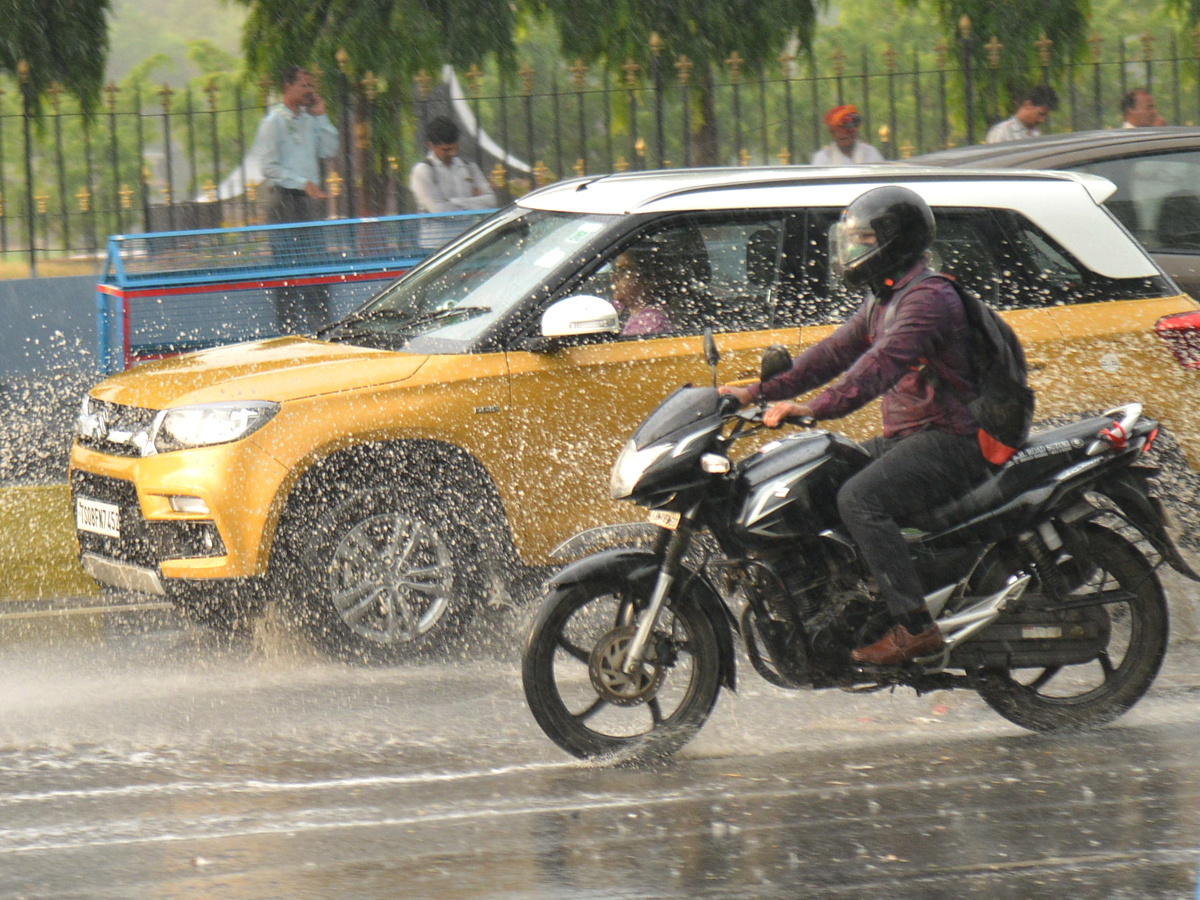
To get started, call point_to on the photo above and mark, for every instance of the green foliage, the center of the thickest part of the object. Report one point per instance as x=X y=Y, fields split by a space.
x=393 y=39
x=705 y=31
x=62 y=41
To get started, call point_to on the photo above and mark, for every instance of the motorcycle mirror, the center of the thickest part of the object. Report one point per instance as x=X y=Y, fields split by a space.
x=711 y=355
x=775 y=361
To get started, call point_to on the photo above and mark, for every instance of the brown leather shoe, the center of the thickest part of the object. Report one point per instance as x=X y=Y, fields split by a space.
x=899 y=646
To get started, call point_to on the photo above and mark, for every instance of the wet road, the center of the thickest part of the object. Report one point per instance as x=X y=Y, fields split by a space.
x=158 y=765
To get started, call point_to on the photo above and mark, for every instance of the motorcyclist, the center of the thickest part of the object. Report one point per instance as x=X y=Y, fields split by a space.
x=906 y=342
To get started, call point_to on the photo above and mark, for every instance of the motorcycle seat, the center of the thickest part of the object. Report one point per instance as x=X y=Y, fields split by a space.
x=1042 y=454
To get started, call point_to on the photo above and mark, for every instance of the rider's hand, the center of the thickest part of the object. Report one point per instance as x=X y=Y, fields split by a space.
x=742 y=393
x=785 y=409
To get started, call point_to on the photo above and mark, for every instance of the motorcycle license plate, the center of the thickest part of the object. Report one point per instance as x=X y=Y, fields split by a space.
x=97 y=517
x=664 y=518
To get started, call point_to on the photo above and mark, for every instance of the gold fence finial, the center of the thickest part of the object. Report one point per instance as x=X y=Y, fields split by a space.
x=578 y=71
x=964 y=27
x=499 y=177
x=1095 y=41
x=112 y=90
x=1043 y=45
x=939 y=50
x=889 y=57
x=885 y=134
x=526 y=73
x=743 y=157
x=735 y=62
x=621 y=165
x=993 y=48
x=165 y=92
x=683 y=66
x=631 y=70
x=656 y=43
x=474 y=78
x=580 y=168
x=335 y=184
x=1147 y=46
x=84 y=196
x=839 y=59
x=785 y=64
x=370 y=85
x=211 y=89
x=342 y=58
x=785 y=158
x=423 y=81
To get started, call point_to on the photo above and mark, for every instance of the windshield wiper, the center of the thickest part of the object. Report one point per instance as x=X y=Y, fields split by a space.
x=385 y=312
x=404 y=319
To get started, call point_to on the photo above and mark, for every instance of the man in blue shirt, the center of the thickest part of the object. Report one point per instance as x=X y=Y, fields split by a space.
x=291 y=141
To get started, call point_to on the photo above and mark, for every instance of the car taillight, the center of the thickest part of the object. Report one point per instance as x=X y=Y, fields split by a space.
x=1181 y=333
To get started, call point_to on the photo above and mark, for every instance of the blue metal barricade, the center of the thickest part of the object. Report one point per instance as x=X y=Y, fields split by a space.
x=170 y=292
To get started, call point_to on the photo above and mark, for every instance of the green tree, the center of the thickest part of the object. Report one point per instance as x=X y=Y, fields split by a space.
x=1023 y=41
x=707 y=32
x=47 y=41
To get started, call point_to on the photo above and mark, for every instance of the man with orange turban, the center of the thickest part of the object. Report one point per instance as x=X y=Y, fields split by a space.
x=846 y=149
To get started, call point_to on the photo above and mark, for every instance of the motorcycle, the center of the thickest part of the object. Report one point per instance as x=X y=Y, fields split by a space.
x=1042 y=579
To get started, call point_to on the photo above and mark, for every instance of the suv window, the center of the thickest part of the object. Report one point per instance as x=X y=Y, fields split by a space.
x=1045 y=274
x=1157 y=198
x=677 y=277
x=963 y=248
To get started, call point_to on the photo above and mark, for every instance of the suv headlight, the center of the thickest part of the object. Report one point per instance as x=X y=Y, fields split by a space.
x=631 y=465
x=207 y=424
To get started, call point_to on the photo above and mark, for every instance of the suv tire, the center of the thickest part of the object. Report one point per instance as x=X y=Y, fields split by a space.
x=383 y=573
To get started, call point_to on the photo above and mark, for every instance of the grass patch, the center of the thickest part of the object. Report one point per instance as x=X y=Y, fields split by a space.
x=14 y=267
x=38 y=557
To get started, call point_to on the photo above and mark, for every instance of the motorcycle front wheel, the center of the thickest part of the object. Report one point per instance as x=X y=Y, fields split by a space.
x=1091 y=694
x=581 y=696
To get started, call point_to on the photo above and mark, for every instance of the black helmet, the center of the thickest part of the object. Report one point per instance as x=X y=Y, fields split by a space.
x=881 y=235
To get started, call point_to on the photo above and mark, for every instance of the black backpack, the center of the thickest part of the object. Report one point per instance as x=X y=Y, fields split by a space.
x=1004 y=407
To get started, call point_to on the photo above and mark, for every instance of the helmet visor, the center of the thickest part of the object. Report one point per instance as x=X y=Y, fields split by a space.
x=851 y=239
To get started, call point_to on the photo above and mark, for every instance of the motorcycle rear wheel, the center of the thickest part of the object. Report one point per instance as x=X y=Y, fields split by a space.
x=1086 y=696
x=577 y=694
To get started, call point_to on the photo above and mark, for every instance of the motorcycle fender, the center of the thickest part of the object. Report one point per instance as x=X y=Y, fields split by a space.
x=1128 y=491
x=638 y=564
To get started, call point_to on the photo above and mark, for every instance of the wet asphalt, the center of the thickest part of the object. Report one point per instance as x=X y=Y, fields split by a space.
x=153 y=761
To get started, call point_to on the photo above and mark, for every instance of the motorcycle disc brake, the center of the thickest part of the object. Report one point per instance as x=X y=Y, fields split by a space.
x=612 y=682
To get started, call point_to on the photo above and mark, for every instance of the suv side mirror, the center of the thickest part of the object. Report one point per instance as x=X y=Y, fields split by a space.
x=775 y=361
x=579 y=315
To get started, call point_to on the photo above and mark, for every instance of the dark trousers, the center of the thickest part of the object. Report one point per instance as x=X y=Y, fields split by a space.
x=910 y=476
x=299 y=308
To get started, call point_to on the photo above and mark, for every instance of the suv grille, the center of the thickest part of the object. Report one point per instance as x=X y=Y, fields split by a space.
x=117 y=421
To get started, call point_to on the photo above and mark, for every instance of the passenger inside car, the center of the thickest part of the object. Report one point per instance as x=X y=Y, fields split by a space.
x=638 y=294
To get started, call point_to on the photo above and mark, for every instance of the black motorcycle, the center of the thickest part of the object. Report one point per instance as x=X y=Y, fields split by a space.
x=1042 y=580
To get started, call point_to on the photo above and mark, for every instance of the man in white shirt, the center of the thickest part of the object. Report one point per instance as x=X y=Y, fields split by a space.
x=444 y=182
x=1033 y=108
x=1138 y=110
x=846 y=149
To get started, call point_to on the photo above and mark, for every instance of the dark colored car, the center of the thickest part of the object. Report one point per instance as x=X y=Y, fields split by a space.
x=1156 y=171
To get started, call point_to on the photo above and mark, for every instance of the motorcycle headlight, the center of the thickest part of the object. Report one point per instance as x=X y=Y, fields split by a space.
x=207 y=424
x=631 y=465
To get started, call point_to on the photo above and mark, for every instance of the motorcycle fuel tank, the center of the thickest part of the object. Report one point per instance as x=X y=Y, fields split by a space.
x=789 y=487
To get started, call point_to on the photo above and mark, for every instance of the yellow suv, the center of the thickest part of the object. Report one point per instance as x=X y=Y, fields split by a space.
x=388 y=474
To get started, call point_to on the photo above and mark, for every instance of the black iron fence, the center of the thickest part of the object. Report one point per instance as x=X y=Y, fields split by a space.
x=157 y=159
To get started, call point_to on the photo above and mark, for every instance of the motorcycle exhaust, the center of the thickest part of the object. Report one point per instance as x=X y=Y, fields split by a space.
x=957 y=628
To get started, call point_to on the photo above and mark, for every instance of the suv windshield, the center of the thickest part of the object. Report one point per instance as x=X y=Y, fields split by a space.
x=458 y=295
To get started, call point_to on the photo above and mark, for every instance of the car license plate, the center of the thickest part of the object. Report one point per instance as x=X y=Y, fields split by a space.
x=97 y=517
x=664 y=518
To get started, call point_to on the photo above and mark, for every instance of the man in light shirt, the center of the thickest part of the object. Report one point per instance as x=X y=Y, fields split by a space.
x=846 y=149
x=1033 y=107
x=291 y=142
x=1138 y=110
x=445 y=182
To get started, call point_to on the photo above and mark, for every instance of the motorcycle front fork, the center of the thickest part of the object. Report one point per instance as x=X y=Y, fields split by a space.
x=677 y=545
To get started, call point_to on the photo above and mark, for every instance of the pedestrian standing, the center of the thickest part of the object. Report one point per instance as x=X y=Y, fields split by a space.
x=291 y=142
